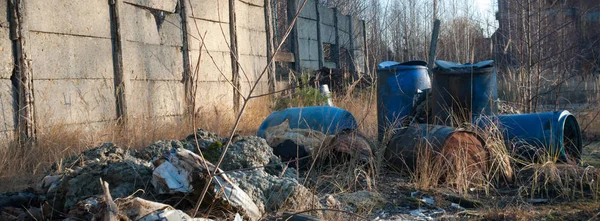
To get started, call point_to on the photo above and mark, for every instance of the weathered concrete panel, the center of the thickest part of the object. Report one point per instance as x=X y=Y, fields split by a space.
x=152 y=62
x=7 y=116
x=155 y=98
x=328 y=34
x=252 y=67
x=252 y=42
x=250 y=17
x=163 y=5
x=309 y=10
x=308 y=28
x=217 y=68
x=310 y=64
x=309 y=49
x=216 y=35
x=140 y=25
x=254 y=2
x=74 y=101
x=213 y=96
x=343 y=22
x=56 y=56
x=213 y=10
x=327 y=16
x=6 y=56
x=82 y=17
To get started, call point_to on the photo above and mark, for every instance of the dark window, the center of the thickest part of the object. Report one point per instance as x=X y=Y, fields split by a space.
x=328 y=52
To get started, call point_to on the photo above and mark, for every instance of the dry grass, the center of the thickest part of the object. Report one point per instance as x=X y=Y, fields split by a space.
x=22 y=168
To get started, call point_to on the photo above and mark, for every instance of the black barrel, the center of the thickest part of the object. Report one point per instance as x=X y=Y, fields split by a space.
x=462 y=92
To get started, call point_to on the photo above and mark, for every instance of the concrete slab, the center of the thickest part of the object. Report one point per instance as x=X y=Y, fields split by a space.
x=328 y=34
x=216 y=35
x=327 y=16
x=309 y=10
x=163 y=5
x=56 y=56
x=217 y=68
x=308 y=28
x=140 y=25
x=252 y=42
x=254 y=3
x=3 y=13
x=153 y=62
x=7 y=109
x=309 y=49
x=155 y=98
x=214 y=96
x=310 y=64
x=253 y=67
x=6 y=137
x=83 y=17
x=213 y=10
x=343 y=22
x=6 y=56
x=250 y=17
x=75 y=101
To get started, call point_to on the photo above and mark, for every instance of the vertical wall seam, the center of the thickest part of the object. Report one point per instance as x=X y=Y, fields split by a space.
x=338 y=56
x=23 y=75
x=292 y=9
x=119 y=83
x=319 y=36
x=188 y=78
x=270 y=45
x=352 y=39
x=234 y=55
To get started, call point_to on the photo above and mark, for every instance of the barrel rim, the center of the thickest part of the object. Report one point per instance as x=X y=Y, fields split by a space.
x=483 y=71
x=402 y=67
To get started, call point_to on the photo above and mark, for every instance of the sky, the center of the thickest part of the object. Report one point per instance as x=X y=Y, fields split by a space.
x=484 y=14
x=487 y=9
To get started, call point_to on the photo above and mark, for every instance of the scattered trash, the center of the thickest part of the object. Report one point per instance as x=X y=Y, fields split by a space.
x=456 y=206
x=324 y=89
x=360 y=201
x=197 y=170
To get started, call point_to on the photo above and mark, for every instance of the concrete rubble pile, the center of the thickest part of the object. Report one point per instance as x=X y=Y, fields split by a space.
x=164 y=181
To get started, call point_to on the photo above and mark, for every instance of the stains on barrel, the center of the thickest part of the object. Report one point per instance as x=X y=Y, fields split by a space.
x=397 y=86
x=448 y=149
x=463 y=91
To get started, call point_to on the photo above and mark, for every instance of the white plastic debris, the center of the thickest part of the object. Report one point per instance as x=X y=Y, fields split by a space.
x=170 y=179
x=179 y=168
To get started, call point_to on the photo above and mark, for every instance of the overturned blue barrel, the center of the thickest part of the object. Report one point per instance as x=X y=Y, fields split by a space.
x=463 y=91
x=396 y=88
x=326 y=119
x=558 y=133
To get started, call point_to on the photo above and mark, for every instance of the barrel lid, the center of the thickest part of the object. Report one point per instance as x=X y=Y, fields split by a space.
x=453 y=66
x=389 y=65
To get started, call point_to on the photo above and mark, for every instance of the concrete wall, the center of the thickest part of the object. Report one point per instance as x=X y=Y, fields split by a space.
x=7 y=109
x=70 y=46
x=152 y=59
x=309 y=40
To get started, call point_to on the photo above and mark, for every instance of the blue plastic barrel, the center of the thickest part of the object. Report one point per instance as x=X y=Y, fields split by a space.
x=326 y=119
x=462 y=92
x=396 y=88
x=556 y=132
